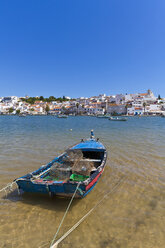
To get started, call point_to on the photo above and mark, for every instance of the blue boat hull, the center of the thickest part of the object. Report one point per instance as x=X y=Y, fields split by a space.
x=56 y=189
x=36 y=183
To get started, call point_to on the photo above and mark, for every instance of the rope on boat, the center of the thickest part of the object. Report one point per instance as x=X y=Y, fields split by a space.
x=86 y=215
x=64 y=215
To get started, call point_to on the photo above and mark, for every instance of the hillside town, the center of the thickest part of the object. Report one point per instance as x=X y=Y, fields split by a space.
x=120 y=104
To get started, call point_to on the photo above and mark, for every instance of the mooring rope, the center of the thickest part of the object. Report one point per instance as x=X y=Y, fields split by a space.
x=65 y=214
x=8 y=186
x=88 y=213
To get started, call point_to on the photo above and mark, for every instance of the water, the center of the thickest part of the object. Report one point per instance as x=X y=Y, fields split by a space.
x=132 y=217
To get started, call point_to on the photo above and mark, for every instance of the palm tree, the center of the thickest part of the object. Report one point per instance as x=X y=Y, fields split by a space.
x=47 y=108
x=144 y=105
x=77 y=105
x=64 y=109
x=126 y=106
x=104 y=110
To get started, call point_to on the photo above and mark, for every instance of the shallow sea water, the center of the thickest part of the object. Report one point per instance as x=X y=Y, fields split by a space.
x=133 y=216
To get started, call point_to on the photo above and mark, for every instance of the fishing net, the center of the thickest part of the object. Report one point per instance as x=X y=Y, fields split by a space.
x=71 y=163
x=78 y=164
x=58 y=171
x=73 y=156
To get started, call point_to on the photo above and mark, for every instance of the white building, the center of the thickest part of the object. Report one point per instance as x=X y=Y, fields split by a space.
x=135 y=110
x=94 y=110
x=112 y=99
x=67 y=97
x=10 y=99
x=154 y=109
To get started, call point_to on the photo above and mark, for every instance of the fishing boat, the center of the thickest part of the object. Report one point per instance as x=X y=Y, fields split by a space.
x=117 y=119
x=79 y=166
x=102 y=116
x=62 y=116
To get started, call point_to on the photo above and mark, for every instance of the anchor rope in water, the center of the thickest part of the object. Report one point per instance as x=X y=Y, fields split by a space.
x=65 y=214
x=86 y=215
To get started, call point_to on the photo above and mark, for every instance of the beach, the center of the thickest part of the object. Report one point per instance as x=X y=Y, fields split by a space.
x=132 y=216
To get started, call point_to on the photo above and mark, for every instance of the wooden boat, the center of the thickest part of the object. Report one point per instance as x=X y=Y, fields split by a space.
x=117 y=119
x=81 y=164
x=62 y=116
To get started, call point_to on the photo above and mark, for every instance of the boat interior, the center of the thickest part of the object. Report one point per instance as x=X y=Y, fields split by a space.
x=74 y=165
x=94 y=156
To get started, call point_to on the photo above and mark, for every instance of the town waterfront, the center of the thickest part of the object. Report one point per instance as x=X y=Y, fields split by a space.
x=132 y=217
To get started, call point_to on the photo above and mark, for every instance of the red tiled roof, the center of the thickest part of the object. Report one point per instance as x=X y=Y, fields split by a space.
x=114 y=104
x=143 y=94
x=57 y=107
x=95 y=103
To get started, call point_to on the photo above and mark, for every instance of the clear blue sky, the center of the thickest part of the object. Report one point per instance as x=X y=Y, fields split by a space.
x=81 y=47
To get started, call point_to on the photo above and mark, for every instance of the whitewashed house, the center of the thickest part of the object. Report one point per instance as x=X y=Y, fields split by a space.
x=134 y=110
x=154 y=109
x=95 y=110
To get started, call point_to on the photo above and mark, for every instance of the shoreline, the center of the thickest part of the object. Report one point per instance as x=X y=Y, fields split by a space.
x=19 y=115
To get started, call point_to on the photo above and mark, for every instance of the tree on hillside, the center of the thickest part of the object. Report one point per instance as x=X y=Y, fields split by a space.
x=52 y=98
x=41 y=98
x=59 y=99
x=31 y=100
x=159 y=97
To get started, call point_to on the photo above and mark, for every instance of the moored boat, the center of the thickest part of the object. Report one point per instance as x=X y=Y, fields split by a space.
x=102 y=116
x=117 y=119
x=81 y=165
x=62 y=116
x=22 y=115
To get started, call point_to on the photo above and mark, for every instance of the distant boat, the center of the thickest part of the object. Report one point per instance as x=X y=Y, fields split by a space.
x=117 y=119
x=62 y=116
x=22 y=115
x=102 y=116
x=81 y=164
